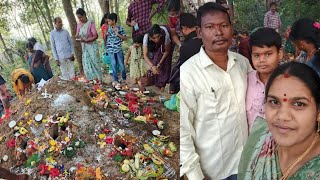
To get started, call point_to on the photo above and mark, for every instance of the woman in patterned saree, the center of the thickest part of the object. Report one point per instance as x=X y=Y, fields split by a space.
x=39 y=64
x=87 y=35
x=286 y=145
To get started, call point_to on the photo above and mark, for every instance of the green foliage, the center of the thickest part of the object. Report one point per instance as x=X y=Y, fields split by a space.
x=249 y=14
x=7 y=68
x=292 y=10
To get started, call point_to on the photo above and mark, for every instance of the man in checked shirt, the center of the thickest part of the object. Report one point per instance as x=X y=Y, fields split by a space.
x=272 y=18
x=140 y=14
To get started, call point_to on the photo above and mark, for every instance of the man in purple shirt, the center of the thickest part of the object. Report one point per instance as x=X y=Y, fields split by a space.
x=140 y=14
x=272 y=18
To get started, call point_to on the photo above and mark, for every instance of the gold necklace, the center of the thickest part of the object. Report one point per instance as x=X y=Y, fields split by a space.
x=300 y=158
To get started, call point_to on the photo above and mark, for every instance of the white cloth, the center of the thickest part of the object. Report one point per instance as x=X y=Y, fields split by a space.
x=213 y=123
x=67 y=69
x=38 y=46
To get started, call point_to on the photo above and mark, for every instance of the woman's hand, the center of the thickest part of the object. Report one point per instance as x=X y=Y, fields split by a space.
x=154 y=70
x=84 y=40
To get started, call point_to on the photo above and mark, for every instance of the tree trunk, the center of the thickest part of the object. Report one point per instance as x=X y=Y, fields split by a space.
x=48 y=13
x=42 y=13
x=104 y=5
x=82 y=4
x=116 y=5
x=73 y=26
x=111 y=5
x=41 y=28
x=231 y=11
x=6 y=50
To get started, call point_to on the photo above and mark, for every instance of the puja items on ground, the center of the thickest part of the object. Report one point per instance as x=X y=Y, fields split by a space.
x=79 y=129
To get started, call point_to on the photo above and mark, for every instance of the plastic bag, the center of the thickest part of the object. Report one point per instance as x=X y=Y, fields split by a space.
x=106 y=58
x=171 y=103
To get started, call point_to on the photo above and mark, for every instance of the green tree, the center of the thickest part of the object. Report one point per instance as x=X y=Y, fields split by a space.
x=249 y=14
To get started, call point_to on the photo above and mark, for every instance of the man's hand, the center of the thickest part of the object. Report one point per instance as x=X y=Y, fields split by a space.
x=58 y=62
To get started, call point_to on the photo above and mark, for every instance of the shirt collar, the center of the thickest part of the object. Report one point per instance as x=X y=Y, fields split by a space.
x=57 y=29
x=206 y=61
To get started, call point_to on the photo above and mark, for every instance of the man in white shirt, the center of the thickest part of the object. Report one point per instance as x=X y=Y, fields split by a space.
x=62 y=49
x=213 y=123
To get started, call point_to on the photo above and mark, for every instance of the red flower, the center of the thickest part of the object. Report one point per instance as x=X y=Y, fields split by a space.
x=43 y=169
x=151 y=100
x=109 y=140
x=113 y=153
x=147 y=110
x=32 y=145
x=155 y=121
x=79 y=165
x=96 y=87
x=131 y=97
x=106 y=131
x=126 y=152
x=11 y=143
x=54 y=172
x=132 y=106
x=119 y=101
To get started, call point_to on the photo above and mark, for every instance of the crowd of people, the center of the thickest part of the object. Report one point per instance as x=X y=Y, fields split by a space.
x=245 y=113
x=151 y=52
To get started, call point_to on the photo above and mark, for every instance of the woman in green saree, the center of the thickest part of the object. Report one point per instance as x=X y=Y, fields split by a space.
x=87 y=35
x=286 y=145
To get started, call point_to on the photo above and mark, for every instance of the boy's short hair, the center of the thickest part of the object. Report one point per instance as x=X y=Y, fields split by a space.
x=113 y=17
x=138 y=39
x=265 y=37
x=188 y=20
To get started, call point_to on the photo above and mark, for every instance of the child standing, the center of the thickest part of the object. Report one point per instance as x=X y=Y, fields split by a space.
x=265 y=46
x=134 y=55
x=115 y=36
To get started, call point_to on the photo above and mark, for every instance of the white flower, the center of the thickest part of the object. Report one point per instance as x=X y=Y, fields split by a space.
x=69 y=148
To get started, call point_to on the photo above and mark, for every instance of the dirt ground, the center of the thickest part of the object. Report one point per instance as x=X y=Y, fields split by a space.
x=86 y=124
